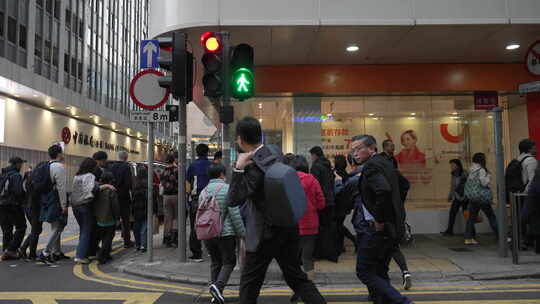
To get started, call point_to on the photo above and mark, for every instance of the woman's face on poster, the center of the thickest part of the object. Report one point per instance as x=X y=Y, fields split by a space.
x=408 y=141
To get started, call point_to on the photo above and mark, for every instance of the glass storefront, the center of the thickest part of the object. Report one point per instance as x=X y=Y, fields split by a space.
x=428 y=131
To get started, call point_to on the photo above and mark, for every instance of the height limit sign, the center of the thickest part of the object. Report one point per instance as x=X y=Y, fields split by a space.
x=149 y=116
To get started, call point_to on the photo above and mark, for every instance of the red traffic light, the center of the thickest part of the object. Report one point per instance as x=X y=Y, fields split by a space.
x=211 y=42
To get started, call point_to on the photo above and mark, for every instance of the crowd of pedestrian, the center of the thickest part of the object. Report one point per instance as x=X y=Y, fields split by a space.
x=238 y=220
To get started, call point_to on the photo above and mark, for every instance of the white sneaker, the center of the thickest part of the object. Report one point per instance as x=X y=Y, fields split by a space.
x=82 y=261
x=216 y=294
x=407 y=280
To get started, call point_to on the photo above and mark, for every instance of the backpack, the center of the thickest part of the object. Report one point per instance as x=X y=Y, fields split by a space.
x=475 y=191
x=513 y=176
x=284 y=193
x=4 y=186
x=41 y=178
x=208 y=222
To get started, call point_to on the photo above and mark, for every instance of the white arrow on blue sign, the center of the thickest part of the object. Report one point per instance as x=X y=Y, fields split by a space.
x=149 y=54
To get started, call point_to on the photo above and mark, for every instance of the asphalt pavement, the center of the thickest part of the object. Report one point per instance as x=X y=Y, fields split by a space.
x=67 y=283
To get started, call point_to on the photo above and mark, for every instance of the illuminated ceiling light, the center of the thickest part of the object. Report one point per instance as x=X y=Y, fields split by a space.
x=412 y=117
x=513 y=46
x=329 y=114
x=413 y=114
x=35 y=95
x=77 y=116
x=91 y=116
x=52 y=108
x=260 y=120
x=455 y=113
x=376 y=118
x=68 y=108
x=352 y=48
x=490 y=116
x=260 y=105
x=371 y=114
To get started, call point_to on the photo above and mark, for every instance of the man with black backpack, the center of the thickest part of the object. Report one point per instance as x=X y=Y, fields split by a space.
x=49 y=183
x=123 y=181
x=11 y=209
x=265 y=240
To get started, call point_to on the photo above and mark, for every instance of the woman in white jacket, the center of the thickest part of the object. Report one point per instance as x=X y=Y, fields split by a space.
x=480 y=197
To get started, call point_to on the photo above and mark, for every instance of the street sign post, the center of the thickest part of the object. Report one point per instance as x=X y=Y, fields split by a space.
x=145 y=92
x=149 y=54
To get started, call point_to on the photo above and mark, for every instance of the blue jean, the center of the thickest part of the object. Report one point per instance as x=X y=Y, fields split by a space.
x=140 y=229
x=375 y=251
x=84 y=217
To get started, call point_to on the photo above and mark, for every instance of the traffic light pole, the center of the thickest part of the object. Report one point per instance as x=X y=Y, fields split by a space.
x=182 y=145
x=225 y=128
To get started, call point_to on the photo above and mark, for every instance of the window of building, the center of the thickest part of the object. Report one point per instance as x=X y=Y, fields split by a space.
x=22 y=36
x=39 y=21
x=81 y=29
x=12 y=30
x=37 y=47
x=49 y=6
x=57 y=9
x=73 y=67
x=2 y=24
x=75 y=24
x=47 y=51
x=68 y=18
x=55 y=56
x=66 y=63
x=79 y=70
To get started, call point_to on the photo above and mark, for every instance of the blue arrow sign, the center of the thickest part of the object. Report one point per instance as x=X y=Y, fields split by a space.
x=149 y=54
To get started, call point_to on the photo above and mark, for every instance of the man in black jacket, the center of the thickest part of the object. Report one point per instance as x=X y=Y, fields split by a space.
x=383 y=216
x=264 y=242
x=11 y=209
x=123 y=183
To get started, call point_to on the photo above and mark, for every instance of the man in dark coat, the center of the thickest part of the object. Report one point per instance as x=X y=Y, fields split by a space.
x=123 y=180
x=264 y=241
x=383 y=220
x=531 y=211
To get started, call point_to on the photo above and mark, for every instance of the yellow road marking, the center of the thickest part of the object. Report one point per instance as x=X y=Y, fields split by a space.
x=67 y=239
x=521 y=301
x=51 y=297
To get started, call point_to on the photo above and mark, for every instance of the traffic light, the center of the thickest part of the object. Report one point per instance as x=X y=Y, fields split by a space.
x=173 y=112
x=180 y=80
x=242 y=79
x=213 y=64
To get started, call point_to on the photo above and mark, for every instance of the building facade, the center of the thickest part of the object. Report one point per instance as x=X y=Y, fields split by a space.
x=412 y=71
x=66 y=67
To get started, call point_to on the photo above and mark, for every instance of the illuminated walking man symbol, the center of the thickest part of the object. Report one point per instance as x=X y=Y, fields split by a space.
x=242 y=83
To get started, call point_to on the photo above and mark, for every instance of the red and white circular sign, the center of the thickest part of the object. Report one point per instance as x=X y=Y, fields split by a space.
x=532 y=59
x=145 y=91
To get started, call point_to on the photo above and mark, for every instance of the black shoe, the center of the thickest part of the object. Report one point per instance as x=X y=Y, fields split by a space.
x=46 y=259
x=216 y=294
x=295 y=298
x=22 y=254
x=60 y=256
x=447 y=233
x=128 y=245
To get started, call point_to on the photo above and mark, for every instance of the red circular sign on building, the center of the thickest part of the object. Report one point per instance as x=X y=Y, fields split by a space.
x=66 y=135
x=145 y=91
x=532 y=59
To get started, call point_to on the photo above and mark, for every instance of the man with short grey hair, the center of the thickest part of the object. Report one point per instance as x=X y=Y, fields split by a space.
x=123 y=183
x=380 y=216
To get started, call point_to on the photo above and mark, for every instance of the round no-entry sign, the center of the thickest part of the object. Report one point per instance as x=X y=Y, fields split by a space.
x=532 y=59
x=145 y=91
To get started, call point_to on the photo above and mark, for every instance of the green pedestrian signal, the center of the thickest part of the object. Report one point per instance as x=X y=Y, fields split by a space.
x=242 y=84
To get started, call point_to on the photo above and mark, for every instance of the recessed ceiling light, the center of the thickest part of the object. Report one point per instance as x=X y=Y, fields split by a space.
x=260 y=105
x=68 y=108
x=52 y=108
x=371 y=114
x=455 y=113
x=412 y=117
x=352 y=48
x=513 y=46
x=35 y=95
x=260 y=120
x=413 y=114
x=91 y=116
x=77 y=116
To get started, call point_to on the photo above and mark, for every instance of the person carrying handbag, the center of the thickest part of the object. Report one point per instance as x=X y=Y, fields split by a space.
x=479 y=195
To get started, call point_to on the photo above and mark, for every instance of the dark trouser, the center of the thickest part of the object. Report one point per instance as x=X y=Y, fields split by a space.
x=375 y=251
x=454 y=209
x=194 y=244
x=93 y=246
x=474 y=209
x=105 y=236
x=282 y=246
x=12 y=217
x=125 y=213
x=83 y=215
x=223 y=256
x=343 y=233
x=140 y=231
x=400 y=260
x=307 y=246
x=32 y=239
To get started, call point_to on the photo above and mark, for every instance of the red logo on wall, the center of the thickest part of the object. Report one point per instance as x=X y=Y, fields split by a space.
x=66 y=135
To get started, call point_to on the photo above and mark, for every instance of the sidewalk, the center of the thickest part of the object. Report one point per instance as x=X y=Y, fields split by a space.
x=432 y=258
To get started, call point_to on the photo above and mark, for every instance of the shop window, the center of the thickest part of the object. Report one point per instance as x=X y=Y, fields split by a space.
x=22 y=36
x=12 y=30
x=37 y=47
x=68 y=18
x=66 y=63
